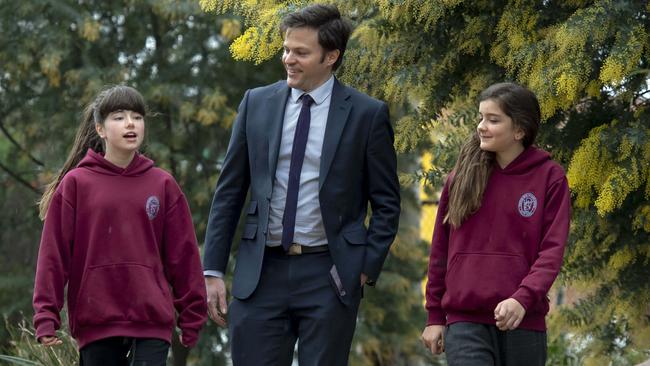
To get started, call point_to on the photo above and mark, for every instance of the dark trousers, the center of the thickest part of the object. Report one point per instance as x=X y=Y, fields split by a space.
x=295 y=300
x=124 y=351
x=469 y=344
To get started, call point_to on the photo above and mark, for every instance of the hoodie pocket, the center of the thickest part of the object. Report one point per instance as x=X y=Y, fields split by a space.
x=125 y=292
x=478 y=282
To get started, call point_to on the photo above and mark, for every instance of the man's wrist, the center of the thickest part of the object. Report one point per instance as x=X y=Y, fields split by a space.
x=213 y=273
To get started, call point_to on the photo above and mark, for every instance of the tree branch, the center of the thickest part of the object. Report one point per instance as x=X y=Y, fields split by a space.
x=20 y=147
x=19 y=179
x=641 y=94
x=12 y=139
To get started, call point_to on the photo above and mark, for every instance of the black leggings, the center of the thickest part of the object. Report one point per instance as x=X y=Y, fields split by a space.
x=124 y=351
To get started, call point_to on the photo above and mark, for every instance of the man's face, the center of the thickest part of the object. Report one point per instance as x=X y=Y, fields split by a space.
x=308 y=65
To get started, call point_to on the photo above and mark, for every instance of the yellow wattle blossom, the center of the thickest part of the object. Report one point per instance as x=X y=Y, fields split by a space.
x=593 y=89
x=624 y=149
x=208 y=5
x=609 y=177
x=89 y=30
x=425 y=13
x=243 y=47
x=620 y=260
x=612 y=71
x=568 y=86
x=49 y=64
x=187 y=110
x=230 y=29
x=586 y=171
x=206 y=116
x=619 y=184
x=641 y=221
x=261 y=40
x=624 y=56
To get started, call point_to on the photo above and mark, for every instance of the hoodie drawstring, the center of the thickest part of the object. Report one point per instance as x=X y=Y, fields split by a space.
x=131 y=354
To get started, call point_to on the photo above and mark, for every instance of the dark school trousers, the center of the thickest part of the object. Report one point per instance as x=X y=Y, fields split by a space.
x=294 y=301
x=475 y=344
x=124 y=351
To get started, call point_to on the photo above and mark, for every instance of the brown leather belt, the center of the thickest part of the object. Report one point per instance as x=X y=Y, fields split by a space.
x=297 y=249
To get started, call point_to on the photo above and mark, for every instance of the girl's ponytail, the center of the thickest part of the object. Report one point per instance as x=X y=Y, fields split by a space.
x=86 y=138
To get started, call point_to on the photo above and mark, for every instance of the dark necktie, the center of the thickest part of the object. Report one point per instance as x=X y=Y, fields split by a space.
x=297 y=157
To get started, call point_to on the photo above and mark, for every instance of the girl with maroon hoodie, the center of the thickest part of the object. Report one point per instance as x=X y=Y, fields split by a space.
x=118 y=233
x=498 y=240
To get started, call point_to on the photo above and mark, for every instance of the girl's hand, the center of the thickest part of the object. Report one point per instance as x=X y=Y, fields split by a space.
x=509 y=313
x=50 y=341
x=434 y=339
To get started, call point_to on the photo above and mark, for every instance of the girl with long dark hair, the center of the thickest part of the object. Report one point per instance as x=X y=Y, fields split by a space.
x=118 y=235
x=498 y=240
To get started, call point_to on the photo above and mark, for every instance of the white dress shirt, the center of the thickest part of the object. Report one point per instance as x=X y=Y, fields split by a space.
x=309 y=229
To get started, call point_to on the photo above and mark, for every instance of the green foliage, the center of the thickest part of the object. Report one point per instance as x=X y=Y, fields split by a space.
x=26 y=351
x=562 y=349
x=588 y=63
x=388 y=330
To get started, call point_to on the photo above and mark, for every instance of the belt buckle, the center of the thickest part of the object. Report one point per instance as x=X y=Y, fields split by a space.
x=295 y=249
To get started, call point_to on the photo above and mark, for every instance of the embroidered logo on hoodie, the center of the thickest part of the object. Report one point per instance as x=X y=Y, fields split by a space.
x=527 y=204
x=152 y=207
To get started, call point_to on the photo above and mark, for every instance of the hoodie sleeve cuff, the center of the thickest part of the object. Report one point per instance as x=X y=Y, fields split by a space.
x=525 y=297
x=436 y=317
x=190 y=337
x=45 y=329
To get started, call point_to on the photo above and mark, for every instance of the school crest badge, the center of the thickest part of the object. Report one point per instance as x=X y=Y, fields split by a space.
x=152 y=207
x=527 y=204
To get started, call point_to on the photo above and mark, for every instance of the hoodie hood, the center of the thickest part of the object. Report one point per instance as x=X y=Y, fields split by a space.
x=525 y=162
x=97 y=163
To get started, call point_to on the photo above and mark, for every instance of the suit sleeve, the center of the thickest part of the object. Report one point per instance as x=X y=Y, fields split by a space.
x=52 y=267
x=436 y=288
x=557 y=212
x=229 y=196
x=183 y=269
x=383 y=192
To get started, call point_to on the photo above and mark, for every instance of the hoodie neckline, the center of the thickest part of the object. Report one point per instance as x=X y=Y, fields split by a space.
x=97 y=162
x=530 y=157
x=113 y=165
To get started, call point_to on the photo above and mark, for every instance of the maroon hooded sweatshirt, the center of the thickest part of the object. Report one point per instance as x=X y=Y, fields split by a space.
x=512 y=247
x=123 y=242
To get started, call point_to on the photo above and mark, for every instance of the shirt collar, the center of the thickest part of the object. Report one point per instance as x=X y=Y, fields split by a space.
x=319 y=94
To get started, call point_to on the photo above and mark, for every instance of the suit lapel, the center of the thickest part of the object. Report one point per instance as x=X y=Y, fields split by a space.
x=336 y=119
x=276 y=104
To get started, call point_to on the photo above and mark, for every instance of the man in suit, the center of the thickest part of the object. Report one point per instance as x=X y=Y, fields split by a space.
x=313 y=154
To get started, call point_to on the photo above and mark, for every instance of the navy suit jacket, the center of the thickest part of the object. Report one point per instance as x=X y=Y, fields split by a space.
x=358 y=166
